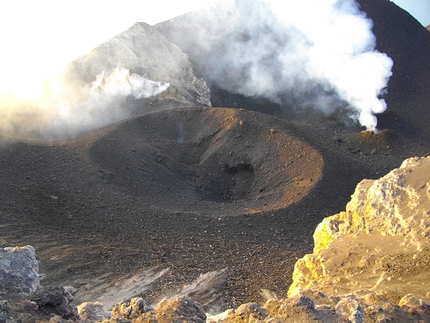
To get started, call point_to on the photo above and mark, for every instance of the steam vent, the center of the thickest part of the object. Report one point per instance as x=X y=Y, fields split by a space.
x=227 y=161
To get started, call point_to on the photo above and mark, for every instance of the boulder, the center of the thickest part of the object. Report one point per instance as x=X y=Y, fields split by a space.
x=19 y=271
x=55 y=300
x=414 y=305
x=130 y=309
x=92 y=312
x=350 y=308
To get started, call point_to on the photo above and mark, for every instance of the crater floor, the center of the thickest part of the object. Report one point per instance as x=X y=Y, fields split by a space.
x=215 y=162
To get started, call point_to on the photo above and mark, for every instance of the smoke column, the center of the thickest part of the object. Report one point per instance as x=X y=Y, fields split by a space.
x=318 y=53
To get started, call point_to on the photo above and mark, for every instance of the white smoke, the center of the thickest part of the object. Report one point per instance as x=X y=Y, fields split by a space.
x=120 y=83
x=309 y=52
x=67 y=109
x=101 y=101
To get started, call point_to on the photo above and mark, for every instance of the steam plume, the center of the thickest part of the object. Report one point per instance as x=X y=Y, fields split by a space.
x=318 y=53
x=101 y=100
x=68 y=109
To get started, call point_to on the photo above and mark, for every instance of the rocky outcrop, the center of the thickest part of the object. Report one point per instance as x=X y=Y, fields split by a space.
x=144 y=51
x=55 y=300
x=19 y=271
x=379 y=246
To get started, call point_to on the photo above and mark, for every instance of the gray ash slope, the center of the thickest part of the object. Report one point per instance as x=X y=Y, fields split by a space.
x=88 y=214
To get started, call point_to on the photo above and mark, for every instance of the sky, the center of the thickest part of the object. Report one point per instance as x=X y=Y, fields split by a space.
x=38 y=37
x=83 y=23
x=420 y=9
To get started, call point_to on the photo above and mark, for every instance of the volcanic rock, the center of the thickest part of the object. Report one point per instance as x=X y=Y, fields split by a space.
x=195 y=190
x=92 y=312
x=55 y=300
x=351 y=309
x=4 y=311
x=381 y=243
x=183 y=309
x=19 y=271
x=130 y=309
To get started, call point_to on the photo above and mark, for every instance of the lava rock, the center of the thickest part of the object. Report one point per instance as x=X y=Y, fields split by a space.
x=19 y=271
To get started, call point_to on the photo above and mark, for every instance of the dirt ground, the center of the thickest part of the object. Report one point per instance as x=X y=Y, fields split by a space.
x=191 y=190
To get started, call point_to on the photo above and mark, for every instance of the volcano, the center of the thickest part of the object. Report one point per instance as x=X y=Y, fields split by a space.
x=189 y=189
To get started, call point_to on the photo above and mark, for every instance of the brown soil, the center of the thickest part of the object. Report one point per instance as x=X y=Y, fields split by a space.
x=191 y=189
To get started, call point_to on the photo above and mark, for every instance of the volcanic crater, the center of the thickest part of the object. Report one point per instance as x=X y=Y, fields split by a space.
x=211 y=161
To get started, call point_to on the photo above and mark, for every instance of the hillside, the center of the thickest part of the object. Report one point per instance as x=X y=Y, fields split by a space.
x=143 y=51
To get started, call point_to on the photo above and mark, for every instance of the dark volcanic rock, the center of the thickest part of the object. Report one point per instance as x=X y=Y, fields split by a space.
x=55 y=300
x=19 y=271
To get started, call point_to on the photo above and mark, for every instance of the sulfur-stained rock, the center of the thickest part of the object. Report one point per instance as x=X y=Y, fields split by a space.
x=380 y=243
x=396 y=204
x=250 y=312
x=325 y=232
